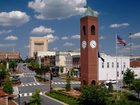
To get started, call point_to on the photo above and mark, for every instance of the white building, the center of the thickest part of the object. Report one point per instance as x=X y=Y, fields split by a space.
x=45 y=53
x=108 y=69
x=64 y=59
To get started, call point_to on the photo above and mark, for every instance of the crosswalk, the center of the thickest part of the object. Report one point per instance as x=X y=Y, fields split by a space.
x=38 y=84
x=28 y=94
x=30 y=84
x=58 y=83
x=28 y=74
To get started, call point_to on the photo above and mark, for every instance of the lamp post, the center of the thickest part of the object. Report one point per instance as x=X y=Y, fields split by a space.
x=50 y=79
x=19 y=97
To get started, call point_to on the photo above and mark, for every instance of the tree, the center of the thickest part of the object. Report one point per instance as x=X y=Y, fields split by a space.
x=7 y=87
x=35 y=99
x=129 y=77
x=2 y=75
x=93 y=95
x=136 y=85
x=13 y=64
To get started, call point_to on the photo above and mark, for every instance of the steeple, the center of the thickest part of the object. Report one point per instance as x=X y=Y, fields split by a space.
x=89 y=12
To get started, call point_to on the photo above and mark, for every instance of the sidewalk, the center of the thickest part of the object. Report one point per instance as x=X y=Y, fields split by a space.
x=16 y=91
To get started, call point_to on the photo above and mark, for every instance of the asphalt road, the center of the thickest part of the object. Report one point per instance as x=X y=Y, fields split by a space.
x=29 y=85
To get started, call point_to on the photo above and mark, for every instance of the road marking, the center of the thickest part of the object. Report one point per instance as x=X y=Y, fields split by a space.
x=66 y=82
x=30 y=84
x=28 y=94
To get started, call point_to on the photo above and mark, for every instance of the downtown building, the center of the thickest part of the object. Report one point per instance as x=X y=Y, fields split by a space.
x=9 y=56
x=37 y=44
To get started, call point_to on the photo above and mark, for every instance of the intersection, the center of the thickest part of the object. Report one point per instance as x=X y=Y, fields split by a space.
x=29 y=84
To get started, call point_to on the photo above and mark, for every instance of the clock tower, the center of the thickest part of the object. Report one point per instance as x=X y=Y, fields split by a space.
x=89 y=47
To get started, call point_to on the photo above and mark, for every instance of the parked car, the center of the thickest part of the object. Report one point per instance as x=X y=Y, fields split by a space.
x=15 y=78
x=111 y=81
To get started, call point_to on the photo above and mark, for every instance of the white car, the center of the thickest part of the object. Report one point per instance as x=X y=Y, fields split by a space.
x=111 y=81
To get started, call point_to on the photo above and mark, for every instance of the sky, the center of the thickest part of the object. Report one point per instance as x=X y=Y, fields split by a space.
x=59 y=21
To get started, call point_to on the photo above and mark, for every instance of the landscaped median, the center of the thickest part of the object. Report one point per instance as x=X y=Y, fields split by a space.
x=61 y=95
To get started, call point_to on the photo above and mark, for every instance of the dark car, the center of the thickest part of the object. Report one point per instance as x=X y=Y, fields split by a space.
x=15 y=78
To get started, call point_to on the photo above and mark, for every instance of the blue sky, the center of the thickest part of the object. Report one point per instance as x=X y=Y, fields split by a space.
x=59 y=21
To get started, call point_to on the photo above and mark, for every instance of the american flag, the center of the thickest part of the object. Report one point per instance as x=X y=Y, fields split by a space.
x=121 y=41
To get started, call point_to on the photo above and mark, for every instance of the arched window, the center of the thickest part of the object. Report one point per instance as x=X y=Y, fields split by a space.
x=92 y=30
x=84 y=30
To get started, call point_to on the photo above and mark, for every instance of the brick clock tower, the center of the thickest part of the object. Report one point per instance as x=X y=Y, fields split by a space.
x=89 y=47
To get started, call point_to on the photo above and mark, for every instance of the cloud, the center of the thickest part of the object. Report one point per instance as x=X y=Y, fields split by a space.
x=101 y=37
x=8 y=45
x=55 y=49
x=127 y=49
x=5 y=31
x=57 y=9
x=41 y=30
x=75 y=36
x=13 y=18
x=119 y=25
x=68 y=44
x=136 y=35
x=11 y=38
x=51 y=38
x=64 y=38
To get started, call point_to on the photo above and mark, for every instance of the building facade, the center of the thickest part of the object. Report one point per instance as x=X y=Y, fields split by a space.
x=112 y=67
x=37 y=44
x=9 y=55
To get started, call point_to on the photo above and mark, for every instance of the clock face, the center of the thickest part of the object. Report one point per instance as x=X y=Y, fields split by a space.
x=92 y=43
x=84 y=44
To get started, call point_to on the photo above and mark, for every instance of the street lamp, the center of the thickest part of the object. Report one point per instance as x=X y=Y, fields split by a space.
x=19 y=97
x=50 y=78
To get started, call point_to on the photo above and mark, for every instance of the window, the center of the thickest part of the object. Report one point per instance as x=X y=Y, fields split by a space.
x=92 y=30
x=38 y=43
x=84 y=30
x=117 y=64
x=124 y=65
x=112 y=64
x=102 y=64
x=107 y=64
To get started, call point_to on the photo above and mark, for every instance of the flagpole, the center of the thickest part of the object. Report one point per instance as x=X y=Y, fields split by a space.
x=116 y=64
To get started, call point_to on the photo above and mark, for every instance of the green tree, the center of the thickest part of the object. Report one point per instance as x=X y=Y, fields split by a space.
x=93 y=95
x=35 y=99
x=2 y=75
x=13 y=65
x=129 y=77
x=136 y=85
x=7 y=87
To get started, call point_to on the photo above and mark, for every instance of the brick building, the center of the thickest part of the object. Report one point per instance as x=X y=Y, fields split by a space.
x=9 y=55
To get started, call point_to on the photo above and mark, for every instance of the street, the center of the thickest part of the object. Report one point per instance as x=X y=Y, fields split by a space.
x=29 y=85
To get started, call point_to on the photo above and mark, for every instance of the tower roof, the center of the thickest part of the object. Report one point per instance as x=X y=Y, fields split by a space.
x=89 y=12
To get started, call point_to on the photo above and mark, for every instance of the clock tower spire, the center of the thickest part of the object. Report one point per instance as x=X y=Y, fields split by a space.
x=89 y=47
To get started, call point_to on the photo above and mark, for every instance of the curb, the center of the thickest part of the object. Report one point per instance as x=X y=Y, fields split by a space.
x=55 y=99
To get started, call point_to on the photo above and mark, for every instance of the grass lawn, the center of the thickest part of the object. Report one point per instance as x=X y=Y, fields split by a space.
x=63 y=97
